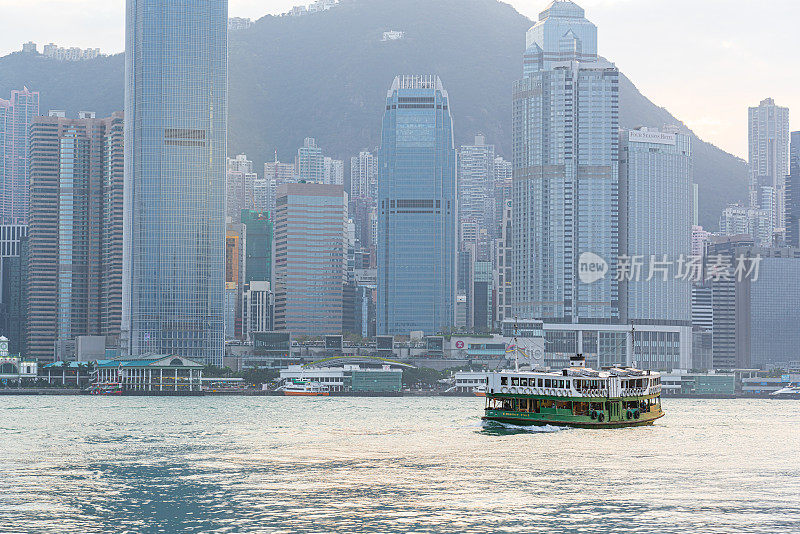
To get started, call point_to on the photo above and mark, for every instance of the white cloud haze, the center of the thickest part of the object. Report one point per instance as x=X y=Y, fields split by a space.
x=704 y=60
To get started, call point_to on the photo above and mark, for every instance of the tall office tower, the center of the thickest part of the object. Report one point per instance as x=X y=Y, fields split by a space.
x=334 y=171
x=16 y=116
x=503 y=182
x=364 y=176
x=13 y=237
x=476 y=186
x=655 y=223
x=258 y=308
x=258 y=246
x=310 y=244
x=417 y=199
x=175 y=146
x=240 y=187
x=699 y=239
x=310 y=162
x=502 y=269
x=75 y=232
x=482 y=297
x=731 y=346
x=768 y=135
x=565 y=139
x=277 y=174
x=793 y=194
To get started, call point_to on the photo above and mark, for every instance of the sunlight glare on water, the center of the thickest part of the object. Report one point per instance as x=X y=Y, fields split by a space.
x=275 y=464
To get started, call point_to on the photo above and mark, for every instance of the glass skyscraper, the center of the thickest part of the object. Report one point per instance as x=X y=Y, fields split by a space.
x=565 y=157
x=417 y=209
x=16 y=116
x=768 y=144
x=175 y=149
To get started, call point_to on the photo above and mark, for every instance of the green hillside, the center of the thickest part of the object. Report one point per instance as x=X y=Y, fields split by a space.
x=325 y=75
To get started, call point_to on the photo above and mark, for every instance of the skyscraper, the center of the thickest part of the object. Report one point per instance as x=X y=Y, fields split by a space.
x=310 y=162
x=655 y=222
x=275 y=174
x=565 y=198
x=476 y=188
x=175 y=148
x=16 y=116
x=363 y=176
x=417 y=227
x=334 y=171
x=768 y=129
x=75 y=236
x=240 y=187
x=793 y=194
x=310 y=243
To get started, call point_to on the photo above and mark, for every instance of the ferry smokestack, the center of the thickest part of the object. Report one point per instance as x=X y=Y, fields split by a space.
x=577 y=361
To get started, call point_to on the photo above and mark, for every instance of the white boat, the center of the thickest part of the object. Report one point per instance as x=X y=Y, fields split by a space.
x=792 y=391
x=298 y=387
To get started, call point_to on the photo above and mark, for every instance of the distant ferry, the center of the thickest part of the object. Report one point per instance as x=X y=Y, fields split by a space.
x=792 y=391
x=298 y=387
x=574 y=397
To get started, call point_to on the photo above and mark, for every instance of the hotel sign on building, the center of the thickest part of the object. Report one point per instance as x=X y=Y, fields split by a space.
x=659 y=138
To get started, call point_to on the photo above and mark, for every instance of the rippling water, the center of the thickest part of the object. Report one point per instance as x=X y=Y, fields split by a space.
x=274 y=464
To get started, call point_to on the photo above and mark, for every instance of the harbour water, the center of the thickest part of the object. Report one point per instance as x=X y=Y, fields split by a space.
x=274 y=464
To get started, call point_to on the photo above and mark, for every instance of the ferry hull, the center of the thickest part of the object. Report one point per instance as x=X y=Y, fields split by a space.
x=521 y=420
x=306 y=393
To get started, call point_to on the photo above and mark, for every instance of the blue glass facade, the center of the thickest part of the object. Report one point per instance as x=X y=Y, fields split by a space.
x=417 y=209
x=566 y=182
x=175 y=148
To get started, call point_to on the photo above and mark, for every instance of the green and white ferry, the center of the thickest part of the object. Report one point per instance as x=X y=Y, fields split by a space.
x=574 y=397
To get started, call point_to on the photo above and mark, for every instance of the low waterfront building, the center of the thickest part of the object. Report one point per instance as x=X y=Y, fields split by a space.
x=14 y=368
x=149 y=372
x=349 y=377
x=469 y=381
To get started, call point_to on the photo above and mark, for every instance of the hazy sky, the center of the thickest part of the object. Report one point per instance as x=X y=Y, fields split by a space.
x=704 y=60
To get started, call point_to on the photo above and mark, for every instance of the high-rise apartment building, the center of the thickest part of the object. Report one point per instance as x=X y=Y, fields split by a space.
x=755 y=222
x=417 y=203
x=793 y=194
x=310 y=245
x=334 y=171
x=699 y=239
x=240 y=187
x=275 y=175
x=503 y=187
x=566 y=176
x=175 y=148
x=655 y=224
x=364 y=176
x=476 y=185
x=768 y=135
x=310 y=162
x=74 y=264
x=16 y=116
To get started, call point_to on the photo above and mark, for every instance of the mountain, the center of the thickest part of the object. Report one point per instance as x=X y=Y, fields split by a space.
x=325 y=75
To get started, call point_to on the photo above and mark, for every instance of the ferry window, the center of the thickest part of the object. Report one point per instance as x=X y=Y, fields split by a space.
x=514 y=380
x=523 y=382
x=503 y=380
x=541 y=383
x=547 y=383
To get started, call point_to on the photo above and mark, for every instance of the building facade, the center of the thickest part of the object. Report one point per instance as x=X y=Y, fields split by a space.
x=175 y=149
x=310 y=162
x=418 y=211
x=310 y=245
x=240 y=187
x=258 y=246
x=74 y=263
x=768 y=136
x=793 y=194
x=16 y=116
x=655 y=224
x=566 y=175
x=476 y=185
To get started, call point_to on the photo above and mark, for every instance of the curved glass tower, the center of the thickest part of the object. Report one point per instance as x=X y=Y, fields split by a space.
x=175 y=148
x=417 y=202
